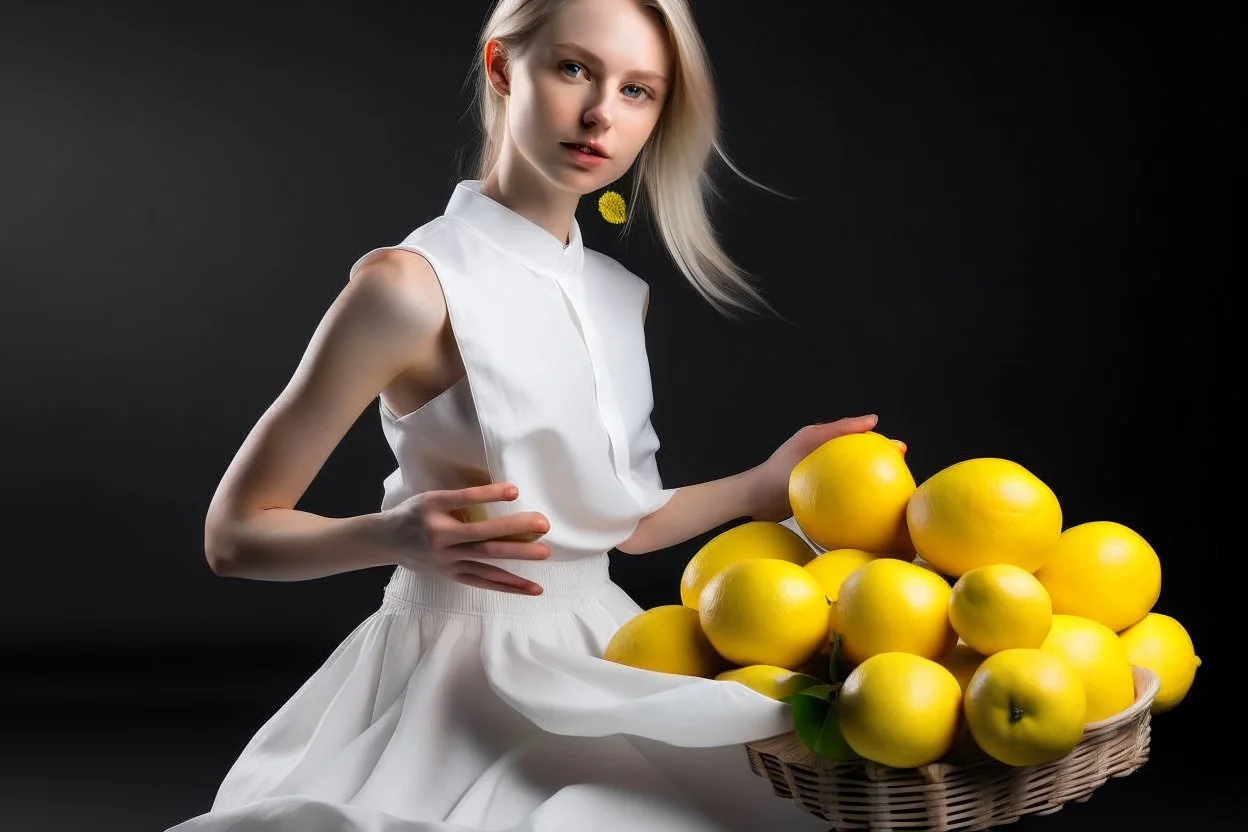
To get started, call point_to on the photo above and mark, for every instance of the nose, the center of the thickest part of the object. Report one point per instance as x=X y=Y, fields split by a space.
x=596 y=119
x=598 y=114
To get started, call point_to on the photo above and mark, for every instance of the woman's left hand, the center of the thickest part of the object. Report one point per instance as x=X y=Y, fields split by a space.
x=769 y=482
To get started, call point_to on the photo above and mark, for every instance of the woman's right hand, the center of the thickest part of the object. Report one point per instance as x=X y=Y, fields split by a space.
x=431 y=529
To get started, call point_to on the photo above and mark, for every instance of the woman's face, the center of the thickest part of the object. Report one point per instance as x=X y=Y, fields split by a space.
x=594 y=73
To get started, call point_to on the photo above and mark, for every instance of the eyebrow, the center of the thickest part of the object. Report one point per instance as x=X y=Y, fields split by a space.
x=640 y=73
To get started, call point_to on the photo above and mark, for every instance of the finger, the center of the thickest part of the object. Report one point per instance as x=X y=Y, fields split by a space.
x=524 y=526
x=860 y=424
x=482 y=583
x=499 y=548
x=491 y=577
x=451 y=499
x=850 y=424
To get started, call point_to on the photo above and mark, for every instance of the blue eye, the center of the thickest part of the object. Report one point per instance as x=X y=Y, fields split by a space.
x=644 y=92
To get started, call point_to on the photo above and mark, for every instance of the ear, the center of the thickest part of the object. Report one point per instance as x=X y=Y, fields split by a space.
x=496 y=67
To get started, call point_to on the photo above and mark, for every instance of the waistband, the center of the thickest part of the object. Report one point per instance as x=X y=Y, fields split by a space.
x=566 y=584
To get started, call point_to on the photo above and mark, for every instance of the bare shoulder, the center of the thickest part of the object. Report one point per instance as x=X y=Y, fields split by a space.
x=405 y=279
x=389 y=310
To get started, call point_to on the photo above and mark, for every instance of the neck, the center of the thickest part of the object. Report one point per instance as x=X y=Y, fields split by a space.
x=519 y=188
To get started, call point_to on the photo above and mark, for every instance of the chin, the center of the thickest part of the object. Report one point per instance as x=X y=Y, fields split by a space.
x=578 y=181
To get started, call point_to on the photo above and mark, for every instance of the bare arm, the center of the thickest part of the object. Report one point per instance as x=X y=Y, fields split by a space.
x=692 y=510
x=383 y=318
x=760 y=493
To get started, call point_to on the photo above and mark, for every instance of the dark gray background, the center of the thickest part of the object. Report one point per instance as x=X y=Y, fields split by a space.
x=1009 y=238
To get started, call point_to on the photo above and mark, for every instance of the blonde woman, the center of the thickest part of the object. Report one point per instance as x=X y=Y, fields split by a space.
x=514 y=389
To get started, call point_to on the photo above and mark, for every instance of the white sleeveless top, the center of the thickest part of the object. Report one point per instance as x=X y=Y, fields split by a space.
x=557 y=394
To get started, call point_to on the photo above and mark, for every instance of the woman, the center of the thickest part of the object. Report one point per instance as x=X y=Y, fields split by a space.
x=514 y=389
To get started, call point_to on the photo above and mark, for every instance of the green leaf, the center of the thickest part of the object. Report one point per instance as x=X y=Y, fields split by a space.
x=821 y=692
x=816 y=723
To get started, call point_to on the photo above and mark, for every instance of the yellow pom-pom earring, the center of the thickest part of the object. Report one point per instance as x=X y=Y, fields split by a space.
x=611 y=206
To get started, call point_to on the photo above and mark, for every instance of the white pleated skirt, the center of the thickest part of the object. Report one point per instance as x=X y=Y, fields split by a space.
x=458 y=708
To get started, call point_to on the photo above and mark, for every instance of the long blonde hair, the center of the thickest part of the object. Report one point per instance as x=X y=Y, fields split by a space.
x=674 y=165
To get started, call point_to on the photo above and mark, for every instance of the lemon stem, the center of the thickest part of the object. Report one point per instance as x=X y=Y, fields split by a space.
x=1016 y=714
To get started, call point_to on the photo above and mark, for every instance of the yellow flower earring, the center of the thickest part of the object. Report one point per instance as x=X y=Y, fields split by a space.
x=611 y=206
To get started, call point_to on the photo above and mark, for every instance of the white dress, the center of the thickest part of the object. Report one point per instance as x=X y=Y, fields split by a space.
x=458 y=708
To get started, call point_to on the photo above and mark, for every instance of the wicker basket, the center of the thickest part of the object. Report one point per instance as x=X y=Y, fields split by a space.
x=964 y=790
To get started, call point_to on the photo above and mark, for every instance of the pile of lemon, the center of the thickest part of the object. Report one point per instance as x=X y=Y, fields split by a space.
x=897 y=617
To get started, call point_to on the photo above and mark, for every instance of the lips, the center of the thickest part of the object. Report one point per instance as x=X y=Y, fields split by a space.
x=595 y=148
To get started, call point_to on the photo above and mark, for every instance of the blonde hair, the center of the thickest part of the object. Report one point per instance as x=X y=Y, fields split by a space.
x=673 y=167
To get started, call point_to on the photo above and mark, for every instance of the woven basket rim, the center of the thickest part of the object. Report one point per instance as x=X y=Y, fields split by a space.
x=967 y=788
x=1151 y=684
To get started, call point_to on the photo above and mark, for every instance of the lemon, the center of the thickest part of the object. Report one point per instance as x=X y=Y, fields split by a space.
x=1104 y=571
x=1099 y=657
x=833 y=567
x=997 y=607
x=892 y=605
x=1161 y=644
x=755 y=539
x=851 y=493
x=962 y=662
x=776 y=682
x=900 y=709
x=1025 y=707
x=983 y=511
x=764 y=611
x=667 y=639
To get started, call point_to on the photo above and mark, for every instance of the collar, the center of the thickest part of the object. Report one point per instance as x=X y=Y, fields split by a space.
x=517 y=236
